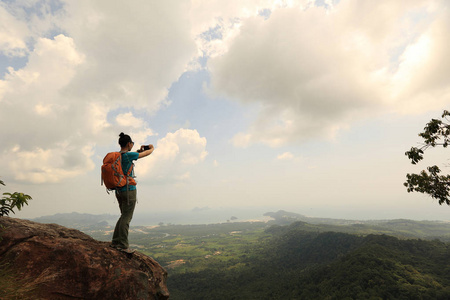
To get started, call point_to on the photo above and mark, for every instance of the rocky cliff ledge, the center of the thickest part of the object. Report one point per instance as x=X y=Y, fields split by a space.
x=63 y=263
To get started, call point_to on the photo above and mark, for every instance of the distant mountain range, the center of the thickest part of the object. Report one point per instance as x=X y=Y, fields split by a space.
x=402 y=228
x=399 y=227
x=78 y=220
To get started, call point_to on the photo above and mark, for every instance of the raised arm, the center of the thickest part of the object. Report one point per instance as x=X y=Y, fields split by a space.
x=144 y=153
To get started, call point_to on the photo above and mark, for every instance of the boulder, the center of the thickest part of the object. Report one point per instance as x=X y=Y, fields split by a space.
x=61 y=263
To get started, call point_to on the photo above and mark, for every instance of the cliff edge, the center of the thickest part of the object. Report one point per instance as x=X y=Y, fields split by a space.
x=63 y=263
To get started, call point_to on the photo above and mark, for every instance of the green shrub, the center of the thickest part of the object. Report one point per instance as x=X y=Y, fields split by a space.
x=10 y=201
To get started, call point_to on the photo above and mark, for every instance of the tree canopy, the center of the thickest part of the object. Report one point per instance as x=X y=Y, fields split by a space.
x=436 y=133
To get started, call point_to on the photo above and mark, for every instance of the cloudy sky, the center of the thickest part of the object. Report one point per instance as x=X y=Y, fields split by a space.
x=303 y=105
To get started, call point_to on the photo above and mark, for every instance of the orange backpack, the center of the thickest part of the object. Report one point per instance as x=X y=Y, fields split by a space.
x=112 y=173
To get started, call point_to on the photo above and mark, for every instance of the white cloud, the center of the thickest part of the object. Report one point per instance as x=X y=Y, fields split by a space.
x=422 y=81
x=128 y=120
x=136 y=127
x=13 y=34
x=315 y=71
x=50 y=165
x=310 y=71
x=289 y=157
x=134 y=50
x=216 y=23
x=285 y=156
x=42 y=119
x=110 y=57
x=241 y=140
x=50 y=67
x=173 y=156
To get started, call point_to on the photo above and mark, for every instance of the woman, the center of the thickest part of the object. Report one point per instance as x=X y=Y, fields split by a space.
x=126 y=196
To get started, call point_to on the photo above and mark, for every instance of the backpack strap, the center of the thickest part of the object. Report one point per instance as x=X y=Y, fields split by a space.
x=127 y=174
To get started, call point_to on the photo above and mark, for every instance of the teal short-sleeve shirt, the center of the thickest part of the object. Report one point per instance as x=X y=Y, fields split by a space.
x=127 y=160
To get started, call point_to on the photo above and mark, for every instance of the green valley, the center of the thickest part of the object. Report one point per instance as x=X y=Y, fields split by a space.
x=296 y=257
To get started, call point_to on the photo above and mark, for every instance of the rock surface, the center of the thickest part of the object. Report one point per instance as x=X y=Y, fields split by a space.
x=65 y=263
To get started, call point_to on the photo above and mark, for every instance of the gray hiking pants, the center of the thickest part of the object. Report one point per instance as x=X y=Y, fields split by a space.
x=126 y=204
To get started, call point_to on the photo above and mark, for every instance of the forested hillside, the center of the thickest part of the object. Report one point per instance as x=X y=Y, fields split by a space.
x=295 y=264
x=321 y=259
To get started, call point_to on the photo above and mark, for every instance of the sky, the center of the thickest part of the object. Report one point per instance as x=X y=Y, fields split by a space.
x=306 y=106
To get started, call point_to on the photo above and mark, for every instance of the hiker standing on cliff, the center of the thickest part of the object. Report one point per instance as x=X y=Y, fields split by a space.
x=126 y=196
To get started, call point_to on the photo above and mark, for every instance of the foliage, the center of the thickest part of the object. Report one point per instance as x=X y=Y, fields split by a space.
x=10 y=201
x=243 y=260
x=294 y=264
x=435 y=133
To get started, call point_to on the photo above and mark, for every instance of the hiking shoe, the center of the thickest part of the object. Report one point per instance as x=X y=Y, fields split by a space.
x=125 y=250
x=114 y=246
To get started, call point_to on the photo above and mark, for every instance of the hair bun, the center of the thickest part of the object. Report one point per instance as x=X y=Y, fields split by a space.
x=122 y=134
